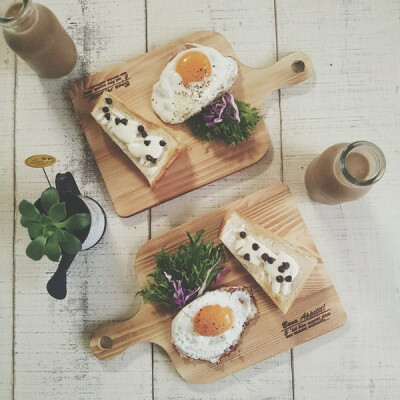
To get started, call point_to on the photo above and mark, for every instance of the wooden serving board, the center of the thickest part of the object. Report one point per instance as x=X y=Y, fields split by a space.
x=316 y=311
x=200 y=163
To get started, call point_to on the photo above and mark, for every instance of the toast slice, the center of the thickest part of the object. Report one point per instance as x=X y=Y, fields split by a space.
x=280 y=269
x=151 y=148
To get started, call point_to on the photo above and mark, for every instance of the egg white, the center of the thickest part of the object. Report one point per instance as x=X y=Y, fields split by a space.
x=211 y=348
x=174 y=102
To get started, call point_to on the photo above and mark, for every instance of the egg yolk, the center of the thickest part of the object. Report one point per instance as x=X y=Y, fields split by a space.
x=193 y=67
x=213 y=320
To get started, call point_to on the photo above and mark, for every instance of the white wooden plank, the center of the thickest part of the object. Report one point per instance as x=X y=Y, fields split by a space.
x=6 y=218
x=354 y=95
x=52 y=355
x=250 y=29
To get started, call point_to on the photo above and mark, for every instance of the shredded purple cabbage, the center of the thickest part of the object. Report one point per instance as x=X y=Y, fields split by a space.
x=181 y=296
x=219 y=276
x=220 y=109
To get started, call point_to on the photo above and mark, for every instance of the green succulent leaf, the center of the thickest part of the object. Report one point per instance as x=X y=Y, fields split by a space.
x=35 y=230
x=49 y=230
x=77 y=222
x=52 y=250
x=25 y=221
x=72 y=244
x=29 y=210
x=58 y=212
x=35 y=249
x=49 y=198
x=45 y=220
x=59 y=235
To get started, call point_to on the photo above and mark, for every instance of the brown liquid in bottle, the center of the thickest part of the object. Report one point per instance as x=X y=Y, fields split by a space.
x=358 y=166
x=41 y=41
x=325 y=181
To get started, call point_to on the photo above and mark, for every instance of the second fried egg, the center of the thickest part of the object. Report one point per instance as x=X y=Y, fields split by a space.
x=190 y=81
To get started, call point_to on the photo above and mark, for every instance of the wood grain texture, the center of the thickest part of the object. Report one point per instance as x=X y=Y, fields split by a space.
x=200 y=163
x=354 y=96
x=274 y=209
x=7 y=79
x=52 y=357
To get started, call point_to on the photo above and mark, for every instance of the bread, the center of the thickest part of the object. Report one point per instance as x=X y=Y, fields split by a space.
x=280 y=269
x=151 y=148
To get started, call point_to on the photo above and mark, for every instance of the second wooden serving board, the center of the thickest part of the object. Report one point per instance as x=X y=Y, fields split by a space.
x=317 y=309
x=133 y=80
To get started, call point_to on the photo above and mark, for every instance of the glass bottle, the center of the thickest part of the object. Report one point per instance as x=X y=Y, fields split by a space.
x=344 y=172
x=34 y=33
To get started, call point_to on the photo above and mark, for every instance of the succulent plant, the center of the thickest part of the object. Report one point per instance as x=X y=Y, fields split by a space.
x=51 y=231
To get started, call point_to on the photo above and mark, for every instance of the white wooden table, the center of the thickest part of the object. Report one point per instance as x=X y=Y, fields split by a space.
x=353 y=95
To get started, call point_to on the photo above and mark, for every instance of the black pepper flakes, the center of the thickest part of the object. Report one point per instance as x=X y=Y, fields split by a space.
x=247 y=257
x=108 y=116
x=243 y=234
x=255 y=246
x=279 y=278
x=105 y=109
x=147 y=142
x=108 y=100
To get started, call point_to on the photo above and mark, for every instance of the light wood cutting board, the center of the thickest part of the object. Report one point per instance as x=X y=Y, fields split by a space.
x=316 y=311
x=200 y=163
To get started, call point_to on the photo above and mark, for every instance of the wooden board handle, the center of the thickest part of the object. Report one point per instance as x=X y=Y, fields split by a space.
x=113 y=339
x=292 y=69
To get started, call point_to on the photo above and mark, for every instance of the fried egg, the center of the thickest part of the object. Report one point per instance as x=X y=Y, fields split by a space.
x=212 y=325
x=190 y=81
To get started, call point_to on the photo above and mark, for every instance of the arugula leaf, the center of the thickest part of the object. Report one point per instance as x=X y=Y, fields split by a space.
x=229 y=130
x=189 y=264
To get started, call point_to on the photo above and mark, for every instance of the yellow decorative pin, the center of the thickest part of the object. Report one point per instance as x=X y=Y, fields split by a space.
x=40 y=161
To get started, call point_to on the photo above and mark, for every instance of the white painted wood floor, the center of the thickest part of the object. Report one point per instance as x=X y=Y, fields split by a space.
x=354 y=94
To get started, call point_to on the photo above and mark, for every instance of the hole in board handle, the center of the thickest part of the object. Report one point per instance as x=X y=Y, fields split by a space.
x=298 y=66
x=105 y=342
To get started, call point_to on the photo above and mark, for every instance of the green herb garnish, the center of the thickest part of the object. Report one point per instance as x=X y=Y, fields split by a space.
x=181 y=276
x=229 y=130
